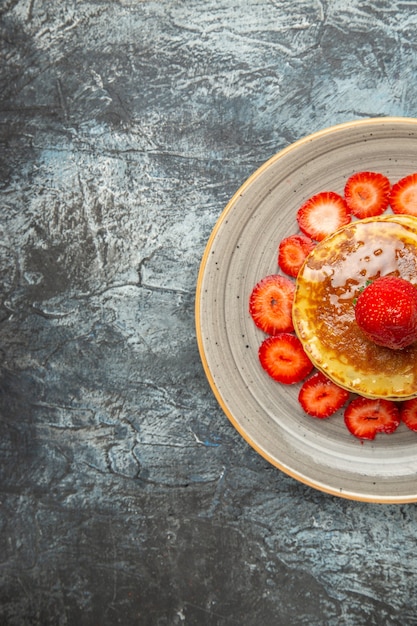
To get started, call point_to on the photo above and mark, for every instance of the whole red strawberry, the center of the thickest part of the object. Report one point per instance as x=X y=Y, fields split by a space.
x=386 y=311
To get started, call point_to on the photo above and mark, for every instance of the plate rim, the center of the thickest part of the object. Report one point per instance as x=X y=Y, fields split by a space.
x=197 y=308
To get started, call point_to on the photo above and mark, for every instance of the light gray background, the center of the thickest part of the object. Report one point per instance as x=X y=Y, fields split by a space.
x=126 y=497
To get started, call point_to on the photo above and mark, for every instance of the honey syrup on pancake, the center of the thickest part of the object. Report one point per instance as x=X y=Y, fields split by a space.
x=327 y=287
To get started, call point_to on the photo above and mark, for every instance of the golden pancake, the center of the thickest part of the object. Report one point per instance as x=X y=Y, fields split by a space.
x=327 y=287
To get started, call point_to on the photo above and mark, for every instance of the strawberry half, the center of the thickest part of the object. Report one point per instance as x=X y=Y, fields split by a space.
x=292 y=252
x=365 y=417
x=408 y=413
x=270 y=304
x=386 y=312
x=322 y=214
x=403 y=197
x=284 y=359
x=321 y=397
x=367 y=194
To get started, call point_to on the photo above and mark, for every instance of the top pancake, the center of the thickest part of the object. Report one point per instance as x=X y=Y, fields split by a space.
x=327 y=287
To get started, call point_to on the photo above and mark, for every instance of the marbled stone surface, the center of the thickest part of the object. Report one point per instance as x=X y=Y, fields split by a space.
x=126 y=496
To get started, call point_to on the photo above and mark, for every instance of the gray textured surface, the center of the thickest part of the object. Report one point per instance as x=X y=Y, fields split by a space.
x=126 y=496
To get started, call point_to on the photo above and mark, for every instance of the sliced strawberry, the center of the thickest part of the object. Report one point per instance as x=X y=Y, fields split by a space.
x=408 y=413
x=367 y=194
x=403 y=197
x=320 y=397
x=270 y=304
x=284 y=359
x=365 y=417
x=292 y=252
x=322 y=214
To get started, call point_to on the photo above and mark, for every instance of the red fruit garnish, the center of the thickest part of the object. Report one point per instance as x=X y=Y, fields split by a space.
x=270 y=304
x=365 y=417
x=403 y=197
x=367 y=194
x=408 y=413
x=386 y=312
x=284 y=359
x=321 y=397
x=292 y=252
x=322 y=215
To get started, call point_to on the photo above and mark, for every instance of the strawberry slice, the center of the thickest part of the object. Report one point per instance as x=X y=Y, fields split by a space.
x=292 y=252
x=367 y=194
x=284 y=359
x=365 y=417
x=322 y=214
x=270 y=304
x=321 y=397
x=408 y=413
x=403 y=197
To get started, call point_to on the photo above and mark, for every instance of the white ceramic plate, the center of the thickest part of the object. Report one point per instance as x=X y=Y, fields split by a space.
x=242 y=249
